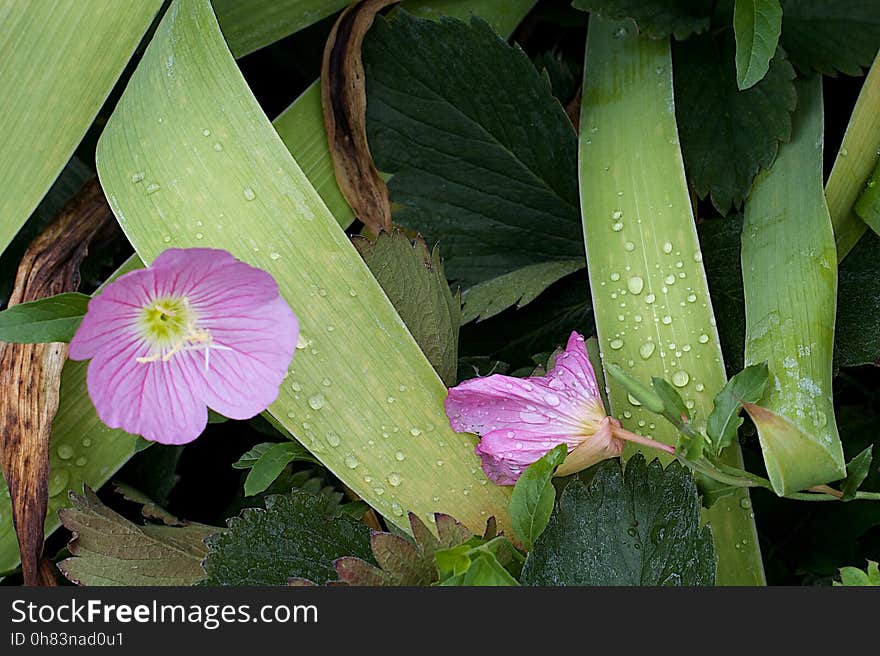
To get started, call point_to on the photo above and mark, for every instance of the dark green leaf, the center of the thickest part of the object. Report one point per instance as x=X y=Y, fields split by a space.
x=518 y=288
x=564 y=74
x=270 y=465
x=853 y=576
x=656 y=18
x=831 y=35
x=293 y=537
x=110 y=550
x=745 y=387
x=728 y=134
x=638 y=527
x=533 y=495
x=857 y=332
x=484 y=157
x=757 y=24
x=52 y=319
x=857 y=471
x=415 y=283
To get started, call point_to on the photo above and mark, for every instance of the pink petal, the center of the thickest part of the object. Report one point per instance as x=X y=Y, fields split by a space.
x=573 y=370
x=506 y=453
x=154 y=399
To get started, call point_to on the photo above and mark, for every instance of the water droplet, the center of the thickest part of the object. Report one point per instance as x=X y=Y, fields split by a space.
x=65 y=451
x=167 y=239
x=633 y=401
x=702 y=339
x=666 y=320
x=400 y=456
x=218 y=146
x=326 y=382
x=745 y=503
x=614 y=277
x=635 y=285
x=698 y=257
x=199 y=235
x=274 y=256
x=699 y=387
x=206 y=132
x=58 y=482
x=552 y=400
x=86 y=442
x=649 y=298
x=152 y=188
x=316 y=402
x=616 y=214
x=351 y=462
x=646 y=350
x=82 y=461
x=249 y=193
x=333 y=439
x=692 y=298
x=394 y=479
x=379 y=490
x=667 y=247
x=616 y=344
x=415 y=432
x=296 y=387
x=617 y=227
x=680 y=378
x=137 y=177
x=629 y=246
x=670 y=279
x=396 y=509
x=322 y=292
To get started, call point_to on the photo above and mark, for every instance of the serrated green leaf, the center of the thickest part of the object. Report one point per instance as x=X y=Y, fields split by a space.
x=293 y=537
x=853 y=576
x=51 y=319
x=413 y=279
x=727 y=135
x=533 y=495
x=857 y=471
x=638 y=526
x=110 y=550
x=271 y=463
x=831 y=35
x=520 y=287
x=757 y=24
x=498 y=189
x=656 y=18
x=745 y=387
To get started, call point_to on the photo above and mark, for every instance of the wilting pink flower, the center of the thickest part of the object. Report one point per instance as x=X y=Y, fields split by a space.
x=521 y=419
x=197 y=329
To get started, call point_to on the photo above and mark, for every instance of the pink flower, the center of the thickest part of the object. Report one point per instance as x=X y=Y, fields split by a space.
x=197 y=329
x=521 y=419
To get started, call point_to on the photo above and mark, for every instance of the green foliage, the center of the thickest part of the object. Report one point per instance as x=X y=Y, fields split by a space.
x=853 y=576
x=110 y=550
x=656 y=18
x=499 y=189
x=564 y=74
x=520 y=287
x=487 y=561
x=857 y=471
x=293 y=537
x=533 y=495
x=51 y=319
x=831 y=35
x=757 y=24
x=745 y=387
x=868 y=205
x=415 y=283
x=727 y=135
x=640 y=526
x=270 y=462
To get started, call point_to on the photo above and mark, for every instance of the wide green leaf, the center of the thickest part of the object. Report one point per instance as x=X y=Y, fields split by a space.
x=380 y=425
x=757 y=24
x=656 y=18
x=51 y=319
x=788 y=242
x=533 y=495
x=498 y=189
x=412 y=277
x=638 y=526
x=293 y=537
x=727 y=135
x=853 y=576
x=831 y=36
x=249 y=26
x=60 y=60
x=110 y=550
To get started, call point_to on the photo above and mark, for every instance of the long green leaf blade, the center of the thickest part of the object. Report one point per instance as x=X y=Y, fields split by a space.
x=380 y=424
x=788 y=247
x=644 y=258
x=60 y=60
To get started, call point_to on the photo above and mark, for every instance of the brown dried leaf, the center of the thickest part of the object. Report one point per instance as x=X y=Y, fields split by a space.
x=31 y=373
x=343 y=95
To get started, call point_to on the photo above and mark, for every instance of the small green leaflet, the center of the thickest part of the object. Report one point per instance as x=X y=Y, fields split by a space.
x=533 y=496
x=868 y=205
x=656 y=18
x=478 y=562
x=51 y=319
x=857 y=471
x=484 y=570
x=757 y=24
x=853 y=576
x=642 y=393
x=745 y=387
x=674 y=409
x=640 y=526
x=271 y=459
